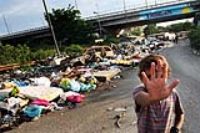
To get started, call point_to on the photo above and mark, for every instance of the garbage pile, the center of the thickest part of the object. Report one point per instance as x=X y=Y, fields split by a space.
x=61 y=82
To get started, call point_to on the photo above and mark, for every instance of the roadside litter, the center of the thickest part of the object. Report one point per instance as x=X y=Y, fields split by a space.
x=63 y=82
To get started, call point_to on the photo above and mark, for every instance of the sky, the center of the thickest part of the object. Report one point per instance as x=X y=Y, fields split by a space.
x=22 y=15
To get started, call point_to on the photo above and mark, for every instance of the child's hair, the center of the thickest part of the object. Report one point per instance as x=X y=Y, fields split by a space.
x=145 y=63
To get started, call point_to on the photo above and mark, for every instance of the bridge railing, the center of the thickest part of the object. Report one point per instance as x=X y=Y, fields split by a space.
x=136 y=8
x=25 y=31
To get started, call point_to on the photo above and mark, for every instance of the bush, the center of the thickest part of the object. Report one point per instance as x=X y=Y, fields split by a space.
x=150 y=29
x=180 y=27
x=111 y=39
x=10 y=54
x=195 y=38
x=74 y=50
x=136 y=32
x=21 y=54
x=42 y=54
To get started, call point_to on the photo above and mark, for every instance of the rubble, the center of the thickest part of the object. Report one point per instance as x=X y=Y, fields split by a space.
x=63 y=82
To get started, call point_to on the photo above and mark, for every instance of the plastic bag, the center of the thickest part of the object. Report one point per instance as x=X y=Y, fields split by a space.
x=75 y=86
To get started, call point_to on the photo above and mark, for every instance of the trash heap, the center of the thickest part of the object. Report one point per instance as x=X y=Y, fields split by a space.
x=61 y=82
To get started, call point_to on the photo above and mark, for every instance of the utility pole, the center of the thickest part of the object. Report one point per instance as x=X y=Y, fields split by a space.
x=146 y=3
x=76 y=5
x=124 y=3
x=6 y=24
x=99 y=23
x=51 y=28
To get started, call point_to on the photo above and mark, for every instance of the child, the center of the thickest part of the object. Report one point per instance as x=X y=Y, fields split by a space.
x=158 y=107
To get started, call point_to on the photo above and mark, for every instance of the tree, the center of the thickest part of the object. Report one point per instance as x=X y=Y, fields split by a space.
x=197 y=19
x=194 y=38
x=186 y=26
x=69 y=27
x=150 y=29
x=136 y=31
x=161 y=29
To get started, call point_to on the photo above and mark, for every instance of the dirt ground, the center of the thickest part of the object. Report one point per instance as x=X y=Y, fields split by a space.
x=93 y=115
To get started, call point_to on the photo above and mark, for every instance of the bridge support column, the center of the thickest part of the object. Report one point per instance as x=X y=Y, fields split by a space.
x=117 y=31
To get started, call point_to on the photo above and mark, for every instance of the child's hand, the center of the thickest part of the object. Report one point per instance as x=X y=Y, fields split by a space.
x=156 y=85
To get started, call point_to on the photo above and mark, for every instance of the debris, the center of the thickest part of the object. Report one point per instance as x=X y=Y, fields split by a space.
x=114 y=86
x=120 y=109
x=61 y=81
x=134 y=123
x=118 y=119
x=110 y=109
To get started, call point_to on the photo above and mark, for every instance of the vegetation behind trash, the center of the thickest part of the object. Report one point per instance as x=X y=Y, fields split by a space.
x=187 y=26
x=137 y=31
x=194 y=37
x=152 y=28
x=74 y=50
x=11 y=54
x=21 y=54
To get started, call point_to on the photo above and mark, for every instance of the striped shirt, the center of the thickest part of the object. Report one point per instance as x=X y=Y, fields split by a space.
x=158 y=117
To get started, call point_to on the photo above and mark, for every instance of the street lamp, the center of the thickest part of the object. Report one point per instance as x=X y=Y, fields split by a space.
x=146 y=3
x=124 y=3
x=51 y=28
x=6 y=24
x=100 y=29
x=76 y=5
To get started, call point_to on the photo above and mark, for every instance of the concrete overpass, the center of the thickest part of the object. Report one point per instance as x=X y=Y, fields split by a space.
x=26 y=35
x=145 y=15
x=117 y=20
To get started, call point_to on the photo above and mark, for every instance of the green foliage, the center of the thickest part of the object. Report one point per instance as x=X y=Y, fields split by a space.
x=162 y=29
x=136 y=32
x=180 y=27
x=42 y=54
x=111 y=39
x=194 y=37
x=21 y=54
x=11 y=54
x=74 y=50
x=197 y=19
x=69 y=27
x=150 y=29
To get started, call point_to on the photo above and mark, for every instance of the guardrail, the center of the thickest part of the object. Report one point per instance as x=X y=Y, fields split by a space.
x=24 y=31
x=109 y=13
x=138 y=8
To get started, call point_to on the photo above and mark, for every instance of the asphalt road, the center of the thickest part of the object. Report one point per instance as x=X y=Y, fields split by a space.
x=93 y=115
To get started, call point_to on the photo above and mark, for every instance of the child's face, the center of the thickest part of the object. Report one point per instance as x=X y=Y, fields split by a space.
x=164 y=70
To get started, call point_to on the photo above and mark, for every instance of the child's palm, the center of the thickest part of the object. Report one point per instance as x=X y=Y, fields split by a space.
x=156 y=85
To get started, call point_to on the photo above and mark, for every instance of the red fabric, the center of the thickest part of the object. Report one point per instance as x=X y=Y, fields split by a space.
x=41 y=102
x=76 y=99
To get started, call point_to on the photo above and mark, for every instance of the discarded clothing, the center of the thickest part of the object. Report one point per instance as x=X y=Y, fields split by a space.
x=33 y=111
x=14 y=91
x=20 y=83
x=41 y=81
x=65 y=84
x=75 y=99
x=75 y=86
x=65 y=95
x=85 y=87
x=40 y=102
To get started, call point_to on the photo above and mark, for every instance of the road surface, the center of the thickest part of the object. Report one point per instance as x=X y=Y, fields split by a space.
x=94 y=117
